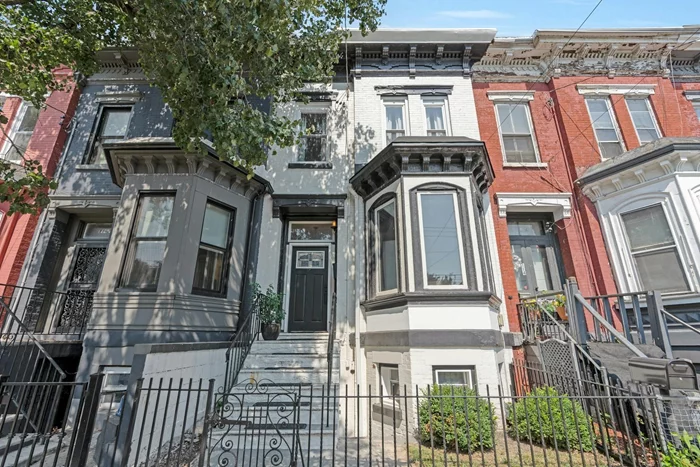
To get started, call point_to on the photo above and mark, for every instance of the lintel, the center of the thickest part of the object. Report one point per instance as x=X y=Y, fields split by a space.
x=559 y=204
x=615 y=89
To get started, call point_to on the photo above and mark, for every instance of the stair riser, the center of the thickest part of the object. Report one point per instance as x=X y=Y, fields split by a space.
x=285 y=376
x=316 y=418
x=289 y=348
x=279 y=361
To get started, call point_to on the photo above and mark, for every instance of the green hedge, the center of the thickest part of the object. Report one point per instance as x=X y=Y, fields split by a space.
x=453 y=416
x=687 y=454
x=544 y=414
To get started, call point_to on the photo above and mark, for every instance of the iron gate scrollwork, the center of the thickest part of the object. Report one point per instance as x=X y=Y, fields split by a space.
x=256 y=423
x=77 y=302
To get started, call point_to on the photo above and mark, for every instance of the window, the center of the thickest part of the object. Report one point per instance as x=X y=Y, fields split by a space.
x=697 y=109
x=21 y=132
x=214 y=250
x=389 y=380
x=114 y=122
x=395 y=121
x=643 y=119
x=313 y=140
x=147 y=245
x=387 y=268
x=604 y=127
x=440 y=239
x=535 y=256
x=516 y=133
x=310 y=232
x=93 y=231
x=435 y=118
x=455 y=376
x=654 y=250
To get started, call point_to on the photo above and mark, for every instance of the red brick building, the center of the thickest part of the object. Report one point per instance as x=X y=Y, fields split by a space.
x=39 y=134
x=549 y=108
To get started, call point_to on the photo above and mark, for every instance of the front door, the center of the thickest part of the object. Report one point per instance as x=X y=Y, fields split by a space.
x=308 y=298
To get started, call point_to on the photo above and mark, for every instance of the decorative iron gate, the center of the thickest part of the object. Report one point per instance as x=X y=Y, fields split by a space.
x=77 y=303
x=256 y=423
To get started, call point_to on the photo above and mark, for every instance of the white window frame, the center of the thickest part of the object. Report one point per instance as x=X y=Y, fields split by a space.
x=468 y=369
x=676 y=246
x=441 y=103
x=12 y=132
x=506 y=162
x=460 y=246
x=613 y=118
x=377 y=257
x=696 y=107
x=651 y=113
x=402 y=102
x=326 y=148
x=386 y=394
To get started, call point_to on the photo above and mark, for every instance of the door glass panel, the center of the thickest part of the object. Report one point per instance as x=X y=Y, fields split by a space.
x=311 y=232
x=525 y=227
x=311 y=259
x=519 y=266
x=543 y=278
x=443 y=262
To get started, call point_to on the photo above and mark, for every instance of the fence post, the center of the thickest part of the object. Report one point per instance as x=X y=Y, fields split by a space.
x=577 y=317
x=86 y=422
x=208 y=411
x=657 y=320
x=126 y=430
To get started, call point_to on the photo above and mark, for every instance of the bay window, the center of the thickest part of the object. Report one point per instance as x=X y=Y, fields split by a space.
x=605 y=127
x=214 y=250
x=441 y=245
x=146 y=250
x=654 y=250
x=386 y=257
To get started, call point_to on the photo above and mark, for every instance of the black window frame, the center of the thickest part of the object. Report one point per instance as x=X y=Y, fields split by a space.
x=227 y=251
x=372 y=263
x=98 y=125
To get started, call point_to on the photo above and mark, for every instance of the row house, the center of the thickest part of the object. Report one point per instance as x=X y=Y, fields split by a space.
x=443 y=177
x=37 y=134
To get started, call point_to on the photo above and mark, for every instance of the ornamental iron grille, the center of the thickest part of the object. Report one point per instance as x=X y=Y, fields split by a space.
x=77 y=303
x=257 y=423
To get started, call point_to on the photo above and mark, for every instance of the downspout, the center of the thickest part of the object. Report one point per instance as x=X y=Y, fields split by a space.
x=252 y=252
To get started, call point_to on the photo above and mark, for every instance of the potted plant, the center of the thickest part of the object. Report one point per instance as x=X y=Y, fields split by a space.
x=269 y=305
x=560 y=307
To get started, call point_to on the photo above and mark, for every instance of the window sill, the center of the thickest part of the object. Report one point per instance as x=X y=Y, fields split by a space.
x=95 y=167
x=310 y=165
x=525 y=164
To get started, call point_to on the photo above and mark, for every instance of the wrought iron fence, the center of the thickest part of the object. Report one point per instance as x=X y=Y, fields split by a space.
x=259 y=423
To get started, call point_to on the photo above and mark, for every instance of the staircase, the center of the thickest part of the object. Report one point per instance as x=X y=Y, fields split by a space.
x=281 y=405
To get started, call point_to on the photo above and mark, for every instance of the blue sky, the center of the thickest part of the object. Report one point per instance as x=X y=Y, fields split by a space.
x=522 y=17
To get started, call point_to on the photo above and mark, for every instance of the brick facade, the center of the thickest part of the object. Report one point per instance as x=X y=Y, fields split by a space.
x=45 y=146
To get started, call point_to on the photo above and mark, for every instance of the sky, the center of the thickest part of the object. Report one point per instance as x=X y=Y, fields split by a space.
x=521 y=18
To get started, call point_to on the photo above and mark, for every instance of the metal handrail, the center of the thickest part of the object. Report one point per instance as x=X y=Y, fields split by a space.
x=331 y=332
x=21 y=328
x=680 y=321
x=241 y=344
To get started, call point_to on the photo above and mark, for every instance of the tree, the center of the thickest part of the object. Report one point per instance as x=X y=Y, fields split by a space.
x=207 y=57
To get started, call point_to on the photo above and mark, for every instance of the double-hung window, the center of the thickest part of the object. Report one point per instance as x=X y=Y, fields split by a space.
x=389 y=380
x=395 y=119
x=605 y=127
x=435 y=117
x=515 y=127
x=113 y=125
x=654 y=250
x=455 y=376
x=314 y=137
x=443 y=255
x=144 y=258
x=385 y=248
x=697 y=109
x=214 y=250
x=20 y=133
x=643 y=119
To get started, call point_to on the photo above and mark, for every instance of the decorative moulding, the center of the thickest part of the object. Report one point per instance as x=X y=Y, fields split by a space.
x=118 y=97
x=614 y=89
x=511 y=96
x=411 y=89
x=557 y=203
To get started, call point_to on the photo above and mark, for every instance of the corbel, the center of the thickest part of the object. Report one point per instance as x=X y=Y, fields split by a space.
x=582 y=51
x=127 y=164
x=640 y=175
x=221 y=176
x=250 y=190
x=358 y=62
x=612 y=49
x=412 y=61
x=202 y=167
x=385 y=55
x=426 y=162
x=507 y=57
x=597 y=192
x=666 y=166
x=638 y=50
x=446 y=162
x=404 y=162
x=191 y=164
x=170 y=163
x=148 y=160
x=51 y=214
x=466 y=61
x=438 y=54
x=617 y=183
x=235 y=183
x=681 y=161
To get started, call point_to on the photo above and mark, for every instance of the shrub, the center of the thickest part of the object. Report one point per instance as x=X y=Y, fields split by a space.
x=687 y=454
x=452 y=416
x=546 y=415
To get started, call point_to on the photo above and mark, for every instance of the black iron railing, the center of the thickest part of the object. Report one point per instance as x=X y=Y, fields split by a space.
x=246 y=334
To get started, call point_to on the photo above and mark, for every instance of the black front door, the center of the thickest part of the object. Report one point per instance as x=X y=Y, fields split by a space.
x=308 y=300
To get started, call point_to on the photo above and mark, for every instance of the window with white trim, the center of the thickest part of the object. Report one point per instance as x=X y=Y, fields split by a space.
x=395 y=113
x=435 y=117
x=643 y=119
x=314 y=139
x=654 y=251
x=605 y=127
x=697 y=109
x=18 y=137
x=515 y=128
x=389 y=380
x=385 y=247
x=443 y=258
x=146 y=251
x=455 y=376
x=113 y=125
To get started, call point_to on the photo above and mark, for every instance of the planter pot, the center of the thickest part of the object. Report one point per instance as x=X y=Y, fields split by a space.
x=561 y=312
x=270 y=331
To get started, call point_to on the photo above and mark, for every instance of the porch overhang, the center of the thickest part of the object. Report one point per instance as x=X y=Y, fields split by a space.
x=315 y=206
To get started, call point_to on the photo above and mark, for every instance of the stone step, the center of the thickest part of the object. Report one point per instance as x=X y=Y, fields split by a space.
x=287 y=375
x=288 y=347
x=300 y=336
x=297 y=360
